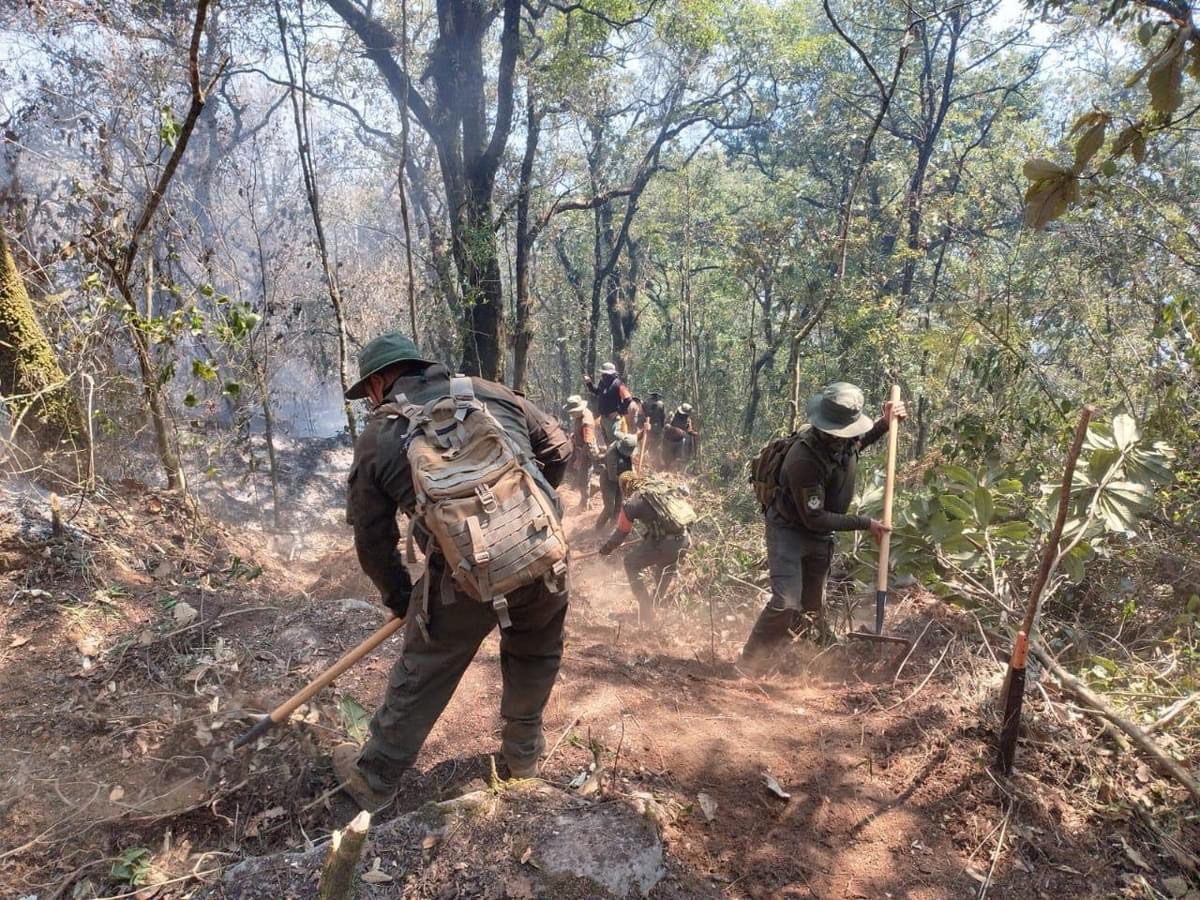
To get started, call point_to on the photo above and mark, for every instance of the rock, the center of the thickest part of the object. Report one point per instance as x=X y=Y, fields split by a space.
x=352 y=604
x=298 y=642
x=607 y=845
x=527 y=839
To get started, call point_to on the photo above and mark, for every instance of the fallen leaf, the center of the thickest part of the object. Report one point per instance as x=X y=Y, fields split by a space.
x=116 y=794
x=88 y=645
x=376 y=875
x=525 y=856
x=774 y=788
x=154 y=505
x=256 y=823
x=1142 y=773
x=184 y=613
x=18 y=641
x=1176 y=885
x=1134 y=857
x=430 y=840
x=708 y=806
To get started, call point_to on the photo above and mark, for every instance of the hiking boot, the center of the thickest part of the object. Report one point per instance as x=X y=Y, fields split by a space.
x=811 y=626
x=525 y=770
x=354 y=783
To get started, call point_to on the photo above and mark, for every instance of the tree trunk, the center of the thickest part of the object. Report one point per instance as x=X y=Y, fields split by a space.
x=152 y=382
x=34 y=388
x=299 y=98
x=525 y=238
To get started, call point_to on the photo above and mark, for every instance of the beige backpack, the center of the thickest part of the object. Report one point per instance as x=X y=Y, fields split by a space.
x=481 y=497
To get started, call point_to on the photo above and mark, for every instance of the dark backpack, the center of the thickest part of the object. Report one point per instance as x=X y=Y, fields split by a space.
x=764 y=472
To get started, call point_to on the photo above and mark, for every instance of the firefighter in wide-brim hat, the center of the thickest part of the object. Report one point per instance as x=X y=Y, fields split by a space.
x=445 y=625
x=814 y=490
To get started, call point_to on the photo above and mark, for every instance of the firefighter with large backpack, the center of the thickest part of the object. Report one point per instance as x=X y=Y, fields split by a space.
x=474 y=466
x=804 y=483
x=662 y=510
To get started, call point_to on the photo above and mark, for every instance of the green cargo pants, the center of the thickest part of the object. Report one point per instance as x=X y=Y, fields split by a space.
x=433 y=662
x=661 y=557
x=798 y=562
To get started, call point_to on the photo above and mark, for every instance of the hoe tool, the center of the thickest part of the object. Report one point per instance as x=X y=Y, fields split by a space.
x=281 y=712
x=881 y=582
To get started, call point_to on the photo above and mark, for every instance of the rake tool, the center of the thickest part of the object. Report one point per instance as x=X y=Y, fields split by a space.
x=285 y=709
x=881 y=581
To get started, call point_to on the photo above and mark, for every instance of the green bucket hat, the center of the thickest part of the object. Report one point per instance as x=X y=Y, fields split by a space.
x=627 y=444
x=837 y=410
x=575 y=404
x=380 y=353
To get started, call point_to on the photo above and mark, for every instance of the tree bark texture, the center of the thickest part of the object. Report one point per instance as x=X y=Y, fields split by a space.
x=32 y=383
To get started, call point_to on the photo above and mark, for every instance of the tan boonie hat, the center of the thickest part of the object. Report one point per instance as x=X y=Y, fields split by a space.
x=837 y=411
x=575 y=404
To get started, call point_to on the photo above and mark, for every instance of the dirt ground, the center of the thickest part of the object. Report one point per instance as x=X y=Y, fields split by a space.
x=138 y=643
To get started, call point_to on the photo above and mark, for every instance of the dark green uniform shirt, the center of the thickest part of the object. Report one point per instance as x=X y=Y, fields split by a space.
x=816 y=485
x=381 y=478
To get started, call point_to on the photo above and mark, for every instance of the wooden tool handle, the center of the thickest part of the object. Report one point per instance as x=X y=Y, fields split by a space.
x=322 y=681
x=285 y=709
x=889 y=490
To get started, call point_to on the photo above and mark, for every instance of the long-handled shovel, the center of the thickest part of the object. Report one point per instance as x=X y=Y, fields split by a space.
x=881 y=582
x=281 y=712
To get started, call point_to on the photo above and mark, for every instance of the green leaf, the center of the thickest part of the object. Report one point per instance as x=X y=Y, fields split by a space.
x=355 y=719
x=1150 y=466
x=983 y=506
x=204 y=370
x=942 y=529
x=1012 y=531
x=168 y=129
x=232 y=388
x=959 y=475
x=190 y=400
x=1125 y=431
x=956 y=506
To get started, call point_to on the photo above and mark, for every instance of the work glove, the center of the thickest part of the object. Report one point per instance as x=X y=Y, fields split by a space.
x=397 y=602
x=608 y=547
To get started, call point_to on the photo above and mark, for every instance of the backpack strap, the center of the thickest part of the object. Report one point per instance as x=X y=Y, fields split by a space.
x=462 y=391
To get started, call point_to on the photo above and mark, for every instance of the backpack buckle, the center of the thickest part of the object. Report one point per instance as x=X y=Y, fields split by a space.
x=486 y=498
x=500 y=605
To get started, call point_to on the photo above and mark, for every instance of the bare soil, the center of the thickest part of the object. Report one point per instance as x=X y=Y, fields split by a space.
x=136 y=645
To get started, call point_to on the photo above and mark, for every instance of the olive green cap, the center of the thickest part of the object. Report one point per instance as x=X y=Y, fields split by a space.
x=627 y=444
x=837 y=410
x=380 y=353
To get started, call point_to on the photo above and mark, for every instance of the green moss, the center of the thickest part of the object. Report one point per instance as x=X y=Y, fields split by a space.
x=32 y=382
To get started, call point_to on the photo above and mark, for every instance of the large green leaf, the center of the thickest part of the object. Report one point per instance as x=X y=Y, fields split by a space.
x=1012 y=531
x=1151 y=466
x=1119 y=504
x=1125 y=431
x=983 y=506
x=959 y=475
x=956 y=506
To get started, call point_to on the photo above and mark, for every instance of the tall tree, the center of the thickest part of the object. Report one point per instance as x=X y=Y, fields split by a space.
x=455 y=116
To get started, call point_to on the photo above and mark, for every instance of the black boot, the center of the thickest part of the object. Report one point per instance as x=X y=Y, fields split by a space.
x=773 y=628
